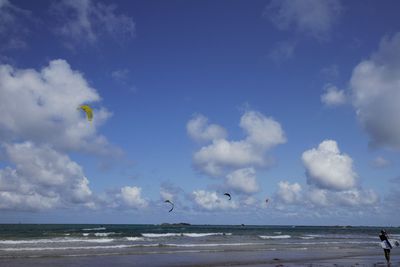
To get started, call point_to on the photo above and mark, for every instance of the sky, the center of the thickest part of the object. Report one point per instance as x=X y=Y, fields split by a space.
x=290 y=106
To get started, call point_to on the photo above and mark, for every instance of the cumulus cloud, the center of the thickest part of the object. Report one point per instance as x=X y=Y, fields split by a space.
x=132 y=197
x=41 y=106
x=263 y=133
x=40 y=123
x=86 y=21
x=327 y=168
x=221 y=154
x=312 y=17
x=207 y=200
x=41 y=178
x=243 y=181
x=200 y=130
x=333 y=96
x=331 y=182
x=375 y=85
x=289 y=193
x=13 y=30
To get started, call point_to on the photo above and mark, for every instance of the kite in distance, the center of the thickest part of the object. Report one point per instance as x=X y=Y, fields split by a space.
x=168 y=201
x=88 y=110
x=229 y=195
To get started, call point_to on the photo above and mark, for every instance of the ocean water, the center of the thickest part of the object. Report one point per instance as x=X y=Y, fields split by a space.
x=41 y=240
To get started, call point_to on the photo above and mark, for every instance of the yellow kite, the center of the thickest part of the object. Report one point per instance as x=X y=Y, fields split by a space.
x=88 y=110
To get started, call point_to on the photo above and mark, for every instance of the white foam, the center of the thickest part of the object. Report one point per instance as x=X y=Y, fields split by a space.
x=104 y=234
x=94 y=229
x=307 y=237
x=204 y=234
x=55 y=240
x=151 y=235
x=134 y=238
x=160 y=235
x=274 y=236
x=76 y=248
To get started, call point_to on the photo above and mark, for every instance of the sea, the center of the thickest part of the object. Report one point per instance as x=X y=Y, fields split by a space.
x=43 y=240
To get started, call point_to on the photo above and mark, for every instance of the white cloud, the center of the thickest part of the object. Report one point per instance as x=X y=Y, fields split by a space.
x=243 y=181
x=200 y=130
x=131 y=196
x=289 y=193
x=84 y=21
x=332 y=182
x=13 y=21
x=212 y=201
x=356 y=197
x=380 y=162
x=41 y=106
x=262 y=134
x=312 y=17
x=42 y=179
x=333 y=96
x=375 y=84
x=318 y=196
x=312 y=199
x=250 y=201
x=348 y=198
x=327 y=168
x=262 y=131
x=221 y=154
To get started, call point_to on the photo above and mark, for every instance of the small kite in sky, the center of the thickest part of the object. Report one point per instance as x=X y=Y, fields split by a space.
x=168 y=201
x=229 y=195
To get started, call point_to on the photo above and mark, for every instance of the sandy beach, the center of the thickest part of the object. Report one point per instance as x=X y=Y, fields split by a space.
x=227 y=258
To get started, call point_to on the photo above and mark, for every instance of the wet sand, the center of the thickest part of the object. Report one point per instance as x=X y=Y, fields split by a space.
x=229 y=258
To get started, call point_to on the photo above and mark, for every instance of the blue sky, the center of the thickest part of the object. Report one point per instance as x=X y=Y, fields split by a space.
x=294 y=101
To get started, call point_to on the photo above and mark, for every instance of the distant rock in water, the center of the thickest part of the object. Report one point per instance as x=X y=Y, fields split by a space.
x=175 y=224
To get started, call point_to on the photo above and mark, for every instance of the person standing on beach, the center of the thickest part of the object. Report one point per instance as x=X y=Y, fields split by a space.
x=384 y=237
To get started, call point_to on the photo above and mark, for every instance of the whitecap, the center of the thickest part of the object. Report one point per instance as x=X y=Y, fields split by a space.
x=274 y=236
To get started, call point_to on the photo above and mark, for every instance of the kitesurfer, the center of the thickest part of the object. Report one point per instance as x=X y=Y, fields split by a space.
x=384 y=237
